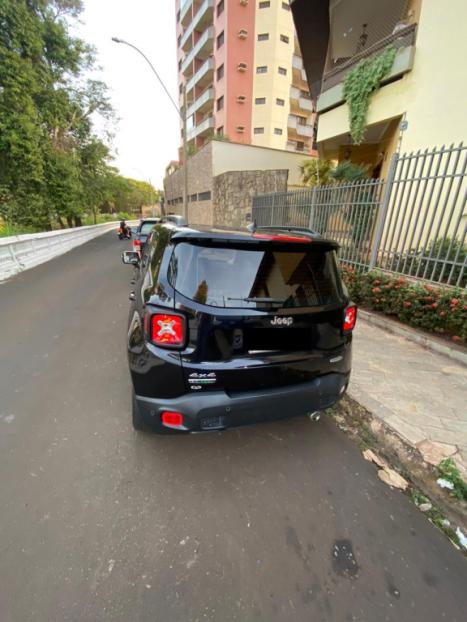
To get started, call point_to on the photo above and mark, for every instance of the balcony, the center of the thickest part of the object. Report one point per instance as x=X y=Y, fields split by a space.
x=202 y=103
x=293 y=145
x=305 y=104
x=185 y=12
x=294 y=93
x=202 y=50
x=202 y=129
x=202 y=77
x=302 y=129
x=297 y=62
x=201 y=20
x=333 y=81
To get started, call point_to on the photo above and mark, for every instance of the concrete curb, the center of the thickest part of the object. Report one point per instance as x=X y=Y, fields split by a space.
x=431 y=343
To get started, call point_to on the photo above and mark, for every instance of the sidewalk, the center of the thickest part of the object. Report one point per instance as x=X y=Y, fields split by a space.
x=420 y=394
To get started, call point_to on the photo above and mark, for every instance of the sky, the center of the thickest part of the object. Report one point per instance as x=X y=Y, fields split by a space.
x=147 y=133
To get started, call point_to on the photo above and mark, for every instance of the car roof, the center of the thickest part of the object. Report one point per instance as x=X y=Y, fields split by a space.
x=156 y=220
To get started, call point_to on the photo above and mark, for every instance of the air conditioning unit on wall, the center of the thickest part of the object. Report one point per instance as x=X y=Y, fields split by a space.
x=240 y=129
x=242 y=67
x=244 y=2
x=242 y=33
x=241 y=99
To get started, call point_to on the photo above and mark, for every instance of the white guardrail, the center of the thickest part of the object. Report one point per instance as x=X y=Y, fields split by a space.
x=21 y=252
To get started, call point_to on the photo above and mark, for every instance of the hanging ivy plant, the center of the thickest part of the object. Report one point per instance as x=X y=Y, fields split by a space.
x=360 y=84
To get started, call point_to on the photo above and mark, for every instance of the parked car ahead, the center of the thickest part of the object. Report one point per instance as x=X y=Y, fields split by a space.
x=145 y=226
x=228 y=328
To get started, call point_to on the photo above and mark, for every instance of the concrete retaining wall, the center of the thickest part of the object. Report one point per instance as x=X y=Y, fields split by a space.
x=21 y=252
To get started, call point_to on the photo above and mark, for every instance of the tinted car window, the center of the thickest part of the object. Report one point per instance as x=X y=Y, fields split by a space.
x=147 y=227
x=228 y=277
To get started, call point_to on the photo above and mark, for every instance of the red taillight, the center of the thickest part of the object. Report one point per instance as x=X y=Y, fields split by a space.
x=350 y=318
x=172 y=420
x=167 y=329
x=136 y=245
x=282 y=238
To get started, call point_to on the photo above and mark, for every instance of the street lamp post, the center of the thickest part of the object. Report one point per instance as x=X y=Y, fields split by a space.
x=182 y=115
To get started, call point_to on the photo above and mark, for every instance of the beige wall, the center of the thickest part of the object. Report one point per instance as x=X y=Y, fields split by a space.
x=433 y=95
x=235 y=157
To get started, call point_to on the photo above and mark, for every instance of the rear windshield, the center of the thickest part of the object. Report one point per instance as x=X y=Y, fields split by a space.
x=227 y=277
x=147 y=227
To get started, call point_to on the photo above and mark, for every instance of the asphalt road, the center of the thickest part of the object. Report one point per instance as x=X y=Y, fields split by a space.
x=99 y=523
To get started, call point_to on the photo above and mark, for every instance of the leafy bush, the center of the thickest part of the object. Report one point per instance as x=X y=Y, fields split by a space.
x=433 y=309
x=447 y=469
x=348 y=171
x=414 y=263
x=317 y=172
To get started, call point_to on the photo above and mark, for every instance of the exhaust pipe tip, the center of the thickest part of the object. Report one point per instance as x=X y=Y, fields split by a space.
x=316 y=416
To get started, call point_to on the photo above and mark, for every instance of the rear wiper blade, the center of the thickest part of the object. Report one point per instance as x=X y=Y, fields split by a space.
x=253 y=299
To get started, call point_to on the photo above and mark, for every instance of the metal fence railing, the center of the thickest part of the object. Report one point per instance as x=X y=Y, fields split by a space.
x=414 y=223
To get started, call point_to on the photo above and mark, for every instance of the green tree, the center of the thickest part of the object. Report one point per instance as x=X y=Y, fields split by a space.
x=50 y=158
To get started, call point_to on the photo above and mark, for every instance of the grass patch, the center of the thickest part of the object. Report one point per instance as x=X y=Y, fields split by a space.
x=447 y=470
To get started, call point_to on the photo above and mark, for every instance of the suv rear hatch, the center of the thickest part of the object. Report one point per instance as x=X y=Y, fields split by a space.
x=263 y=312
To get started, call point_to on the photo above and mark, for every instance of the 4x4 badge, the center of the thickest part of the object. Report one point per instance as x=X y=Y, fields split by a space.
x=209 y=378
x=281 y=321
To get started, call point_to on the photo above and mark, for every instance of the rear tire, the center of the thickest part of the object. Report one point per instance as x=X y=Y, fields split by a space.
x=136 y=417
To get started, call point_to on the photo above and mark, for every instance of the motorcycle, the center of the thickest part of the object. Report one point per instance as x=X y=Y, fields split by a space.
x=124 y=233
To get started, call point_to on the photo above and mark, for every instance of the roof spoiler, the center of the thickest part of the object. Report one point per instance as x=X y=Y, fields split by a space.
x=252 y=227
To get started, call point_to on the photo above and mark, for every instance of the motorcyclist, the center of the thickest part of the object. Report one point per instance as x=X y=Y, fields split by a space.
x=124 y=228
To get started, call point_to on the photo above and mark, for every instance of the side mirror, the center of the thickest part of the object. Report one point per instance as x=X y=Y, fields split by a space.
x=130 y=258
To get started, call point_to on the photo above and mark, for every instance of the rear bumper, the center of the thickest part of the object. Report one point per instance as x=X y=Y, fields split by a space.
x=216 y=410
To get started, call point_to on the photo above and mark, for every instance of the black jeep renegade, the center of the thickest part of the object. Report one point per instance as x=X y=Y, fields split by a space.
x=228 y=328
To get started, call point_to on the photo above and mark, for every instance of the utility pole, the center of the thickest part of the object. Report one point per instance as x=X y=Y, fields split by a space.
x=185 y=159
x=182 y=115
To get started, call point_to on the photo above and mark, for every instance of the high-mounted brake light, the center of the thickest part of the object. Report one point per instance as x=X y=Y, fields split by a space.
x=172 y=420
x=282 y=238
x=167 y=330
x=350 y=318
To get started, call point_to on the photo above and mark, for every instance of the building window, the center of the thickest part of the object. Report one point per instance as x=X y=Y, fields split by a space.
x=193 y=197
x=301 y=120
x=278 y=131
x=258 y=130
x=300 y=146
x=220 y=40
x=220 y=72
x=280 y=102
x=286 y=6
x=263 y=37
x=260 y=100
x=179 y=40
x=204 y=196
x=179 y=64
x=220 y=131
x=220 y=103
x=283 y=71
x=284 y=39
x=262 y=69
x=264 y=5
x=220 y=8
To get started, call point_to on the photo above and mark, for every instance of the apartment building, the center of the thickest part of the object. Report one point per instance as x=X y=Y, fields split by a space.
x=421 y=102
x=240 y=65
